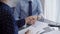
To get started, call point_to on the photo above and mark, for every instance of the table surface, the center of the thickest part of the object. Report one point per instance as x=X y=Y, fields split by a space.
x=53 y=32
x=39 y=27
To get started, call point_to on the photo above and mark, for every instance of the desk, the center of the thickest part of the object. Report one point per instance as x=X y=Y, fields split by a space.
x=38 y=26
x=53 y=32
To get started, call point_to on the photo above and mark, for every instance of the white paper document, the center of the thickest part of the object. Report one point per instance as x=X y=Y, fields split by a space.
x=36 y=28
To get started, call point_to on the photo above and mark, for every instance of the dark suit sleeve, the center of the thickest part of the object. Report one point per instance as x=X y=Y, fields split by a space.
x=21 y=22
x=7 y=22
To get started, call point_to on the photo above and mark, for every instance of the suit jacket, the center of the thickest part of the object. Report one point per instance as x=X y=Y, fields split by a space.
x=8 y=24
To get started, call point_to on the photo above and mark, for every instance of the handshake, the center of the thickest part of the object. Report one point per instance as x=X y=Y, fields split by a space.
x=31 y=19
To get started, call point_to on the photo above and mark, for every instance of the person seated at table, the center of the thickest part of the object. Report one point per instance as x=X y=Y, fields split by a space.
x=8 y=24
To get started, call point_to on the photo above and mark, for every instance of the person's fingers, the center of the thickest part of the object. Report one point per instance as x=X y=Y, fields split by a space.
x=34 y=21
x=31 y=19
x=28 y=32
x=27 y=20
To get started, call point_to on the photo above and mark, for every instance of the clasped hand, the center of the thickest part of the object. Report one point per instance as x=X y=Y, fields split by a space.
x=31 y=19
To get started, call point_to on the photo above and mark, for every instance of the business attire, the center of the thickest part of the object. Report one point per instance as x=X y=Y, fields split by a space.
x=8 y=24
x=22 y=9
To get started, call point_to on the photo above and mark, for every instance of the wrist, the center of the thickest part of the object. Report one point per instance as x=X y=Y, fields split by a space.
x=38 y=17
x=25 y=21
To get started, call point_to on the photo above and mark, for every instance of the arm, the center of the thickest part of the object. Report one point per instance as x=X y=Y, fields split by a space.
x=20 y=22
x=7 y=21
x=40 y=11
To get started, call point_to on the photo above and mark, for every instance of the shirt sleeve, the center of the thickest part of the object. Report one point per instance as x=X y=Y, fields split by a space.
x=40 y=9
x=7 y=22
x=21 y=23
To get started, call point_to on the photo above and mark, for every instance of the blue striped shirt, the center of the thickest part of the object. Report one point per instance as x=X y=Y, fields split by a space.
x=21 y=11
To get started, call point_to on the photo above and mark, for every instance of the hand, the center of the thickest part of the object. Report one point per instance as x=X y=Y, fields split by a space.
x=31 y=19
x=28 y=32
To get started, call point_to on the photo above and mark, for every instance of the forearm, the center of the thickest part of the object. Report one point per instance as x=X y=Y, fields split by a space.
x=40 y=17
x=21 y=22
